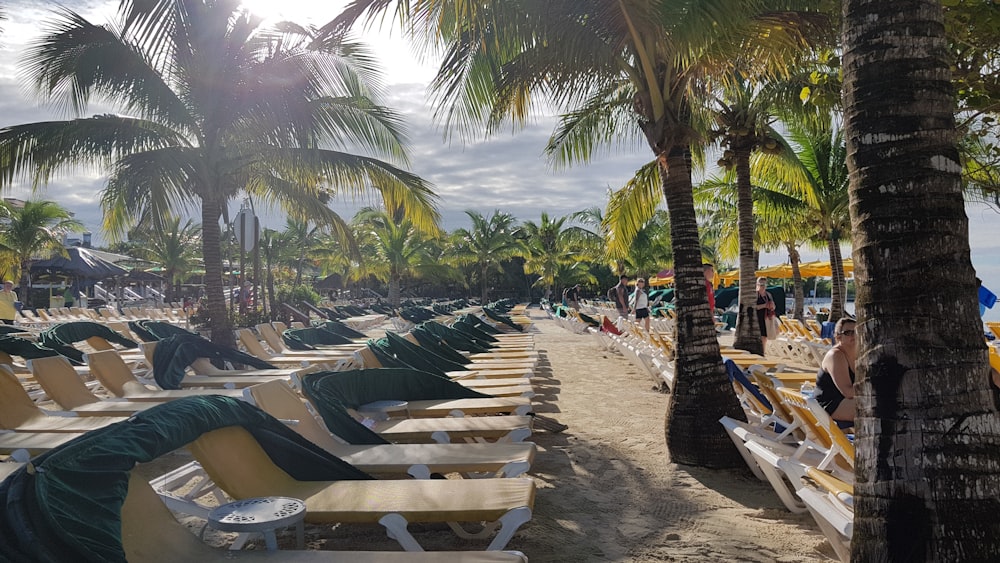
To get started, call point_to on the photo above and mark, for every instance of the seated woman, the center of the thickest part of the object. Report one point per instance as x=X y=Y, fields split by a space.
x=835 y=383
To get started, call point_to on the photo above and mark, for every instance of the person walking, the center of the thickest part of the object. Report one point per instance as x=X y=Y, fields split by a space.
x=765 y=309
x=8 y=312
x=619 y=296
x=640 y=302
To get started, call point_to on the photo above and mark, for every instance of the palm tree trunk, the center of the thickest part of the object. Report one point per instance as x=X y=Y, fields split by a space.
x=747 y=325
x=928 y=439
x=486 y=289
x=395 y=283
x=702 y=393
x=25 y=283
x=800 y=294
x=838 y=287
x=221 y=330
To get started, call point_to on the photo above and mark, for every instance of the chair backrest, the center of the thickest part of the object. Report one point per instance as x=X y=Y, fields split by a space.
x=271 y=337
x=151 y=533
x=280 y=401
x=98 y=343
x=42 y=314
x=147 y=351
x=237 y=463
x=768 y=388
x=6 y=358
x=16 y=407
x=279 y=326
x=818 y=424
x=253 y=346
x=110 y=369
x=368 y=358
x=60 y=382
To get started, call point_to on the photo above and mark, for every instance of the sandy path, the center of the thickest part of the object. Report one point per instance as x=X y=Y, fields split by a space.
x=608 y=493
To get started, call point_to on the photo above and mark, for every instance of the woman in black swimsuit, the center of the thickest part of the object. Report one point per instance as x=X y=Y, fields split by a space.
x=835 y=383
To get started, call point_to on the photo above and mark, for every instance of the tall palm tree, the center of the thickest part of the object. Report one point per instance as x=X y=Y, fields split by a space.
x=743 y=119
x=32 y=231
x=651 y=250
x=928 y=465
x=619 y=70
x=813 y=170
x=485 y=245
x=213 y=106
x=393 y=247
x=174 y=246
x=549 y=246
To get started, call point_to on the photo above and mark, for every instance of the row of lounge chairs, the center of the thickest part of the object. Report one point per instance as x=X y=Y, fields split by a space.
x=509 y=504
x=791 y=442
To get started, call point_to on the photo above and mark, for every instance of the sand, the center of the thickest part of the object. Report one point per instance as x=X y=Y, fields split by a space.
x=606 y=488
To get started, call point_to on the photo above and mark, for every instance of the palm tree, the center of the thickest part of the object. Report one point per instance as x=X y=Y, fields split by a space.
x=548 y=247
x=813 y=171
x=743 y=119
x=32 y=231
x=927 y=457
x=650 y=250
x=619 y=70
x=213 y=107
x=393 y=248
x=486 y=245
x=174 y=246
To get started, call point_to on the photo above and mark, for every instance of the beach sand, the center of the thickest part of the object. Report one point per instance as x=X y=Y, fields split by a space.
x=606 y=488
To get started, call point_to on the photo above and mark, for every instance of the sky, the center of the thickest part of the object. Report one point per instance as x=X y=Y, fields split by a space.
x=506 y=172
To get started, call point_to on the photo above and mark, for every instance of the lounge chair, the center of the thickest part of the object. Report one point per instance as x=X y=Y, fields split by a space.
x=419 y=460
x=106 y=513
x=326 y=358
x=427 y=395
x=275 y=341
x=239 y=466
x=115 y=376
x=18 y=412
x=23 y=445
x=829 y=500
x=62 y=384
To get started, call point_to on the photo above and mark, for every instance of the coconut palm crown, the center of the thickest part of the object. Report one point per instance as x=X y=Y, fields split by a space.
x=213 y=106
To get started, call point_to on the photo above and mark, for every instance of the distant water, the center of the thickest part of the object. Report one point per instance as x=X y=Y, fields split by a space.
x=990 y=315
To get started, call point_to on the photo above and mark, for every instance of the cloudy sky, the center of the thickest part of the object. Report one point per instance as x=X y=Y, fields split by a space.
x=507 y=172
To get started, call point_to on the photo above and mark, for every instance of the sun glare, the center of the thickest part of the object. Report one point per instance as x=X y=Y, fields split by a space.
x=299 y=11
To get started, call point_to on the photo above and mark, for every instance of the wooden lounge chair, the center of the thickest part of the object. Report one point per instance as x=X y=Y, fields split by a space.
x=236 y=463
x=151 y=534
x=367 y=358
x=23 y=445
x=62 y=384
x=419 y=460
x=115 y=376
x=18 y=412
x=255 y=348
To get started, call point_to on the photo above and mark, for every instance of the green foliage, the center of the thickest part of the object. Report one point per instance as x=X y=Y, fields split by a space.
x=293 y=294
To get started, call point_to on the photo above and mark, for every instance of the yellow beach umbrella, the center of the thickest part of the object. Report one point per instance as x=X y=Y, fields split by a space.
x=729 y=278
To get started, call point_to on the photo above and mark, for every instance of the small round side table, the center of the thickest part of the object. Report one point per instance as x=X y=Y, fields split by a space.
x=261 y=515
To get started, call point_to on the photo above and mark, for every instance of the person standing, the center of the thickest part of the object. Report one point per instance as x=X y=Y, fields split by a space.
x=710 y=286
x=640 y=302
x=619 y=295
x=765 y=309
x=573 y=297
x=8 y=312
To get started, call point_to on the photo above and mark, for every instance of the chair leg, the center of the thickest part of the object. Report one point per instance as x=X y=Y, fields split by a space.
x=395 y=527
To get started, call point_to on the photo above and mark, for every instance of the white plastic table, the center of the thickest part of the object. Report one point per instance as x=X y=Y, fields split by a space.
x=261 y=515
